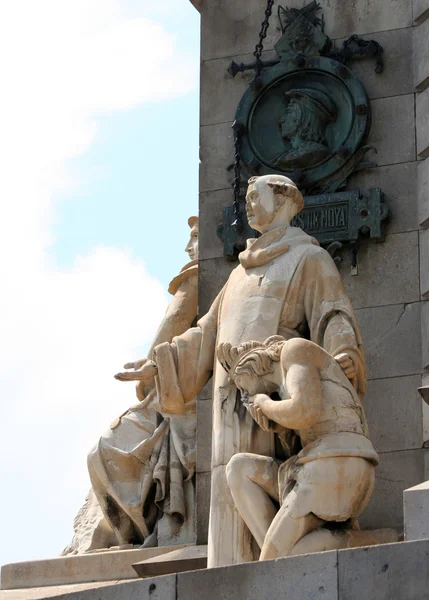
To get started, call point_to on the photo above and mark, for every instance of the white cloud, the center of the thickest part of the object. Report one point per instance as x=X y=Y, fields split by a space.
x=65 y=332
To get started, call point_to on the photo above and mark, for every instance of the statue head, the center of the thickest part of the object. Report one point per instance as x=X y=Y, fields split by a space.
x=272 y=201
x=307 y=115
x=192 y=246
x=253 y=366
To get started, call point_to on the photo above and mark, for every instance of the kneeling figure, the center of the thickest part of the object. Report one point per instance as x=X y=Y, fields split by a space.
x=319 y=418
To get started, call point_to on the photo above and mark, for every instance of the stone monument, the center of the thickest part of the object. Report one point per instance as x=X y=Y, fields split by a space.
x=142 y=467
x=313 y=246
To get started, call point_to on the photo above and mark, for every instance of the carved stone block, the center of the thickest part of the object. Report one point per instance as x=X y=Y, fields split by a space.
x=424 y=263
x=396 y=472
x=420 y=11
x=388 y=272
x=216 y=155
x=423 y=192
x=204 y=436
x=212 y=276
x=398 y=184
x=397 y=77
x=211 y=216
x=393 y=120
x=203 y=506
x=392 y=339
x=421 y=56
x=393 y=408
x=422 y=123
x=262 y=580
x=384 y=572
x=416 y=512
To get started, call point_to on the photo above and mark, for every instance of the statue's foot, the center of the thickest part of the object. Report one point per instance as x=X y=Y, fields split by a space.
x=323 y=539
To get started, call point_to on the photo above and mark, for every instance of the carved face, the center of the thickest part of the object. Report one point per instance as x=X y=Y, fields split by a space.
x=192 y=246
x=290 y=122
x=249 y=384
x=260 y=205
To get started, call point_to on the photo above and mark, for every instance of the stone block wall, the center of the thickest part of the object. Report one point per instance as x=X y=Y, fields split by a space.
x=392 y=284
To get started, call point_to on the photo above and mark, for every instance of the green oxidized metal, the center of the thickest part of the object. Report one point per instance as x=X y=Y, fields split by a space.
x=334 y=126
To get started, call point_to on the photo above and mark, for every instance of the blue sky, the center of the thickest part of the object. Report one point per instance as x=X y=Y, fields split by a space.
x=99 y=151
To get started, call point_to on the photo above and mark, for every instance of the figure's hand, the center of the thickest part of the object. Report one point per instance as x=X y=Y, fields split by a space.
x=255 y=408
x=136 y=365
x=147 y=371
x=347 y=365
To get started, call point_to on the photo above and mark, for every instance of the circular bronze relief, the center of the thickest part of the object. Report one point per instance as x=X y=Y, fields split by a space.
x=305 y=122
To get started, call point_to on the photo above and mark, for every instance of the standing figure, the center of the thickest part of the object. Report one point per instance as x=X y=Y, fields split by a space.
x=142 y=467
x=331 y=477
x=285 y=284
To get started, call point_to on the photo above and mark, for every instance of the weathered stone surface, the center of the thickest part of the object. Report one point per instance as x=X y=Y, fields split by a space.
x=97 y=566
x=416 y=512
x=206 y=392
x=220 y=92
x=232 y=28
x=213 y=274
x=190 y=558
x=420 y=10
x=425 y=335
x=424 y=263
x=422 y=123
x=394 y=411
x=425 y=409
x=216 y=155
x=311 y=576
x=203 y=506
x=392 y=339
x=384 y=572
x=211 y=216
x=397 y=77
x=388 y=272
x=421 y=56
x=423 y=192
x=396 y=472
x=393 y=120
x=398 y=184
x=204 y=436
x=229 y=29
x=161 y=588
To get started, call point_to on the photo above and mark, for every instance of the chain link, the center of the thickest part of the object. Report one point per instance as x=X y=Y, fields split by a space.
x=237 y=224
x=237 y=177
x=262 y=35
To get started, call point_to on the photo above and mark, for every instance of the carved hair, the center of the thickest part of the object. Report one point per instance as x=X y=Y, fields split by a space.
x=314 y=110
x=251 y=358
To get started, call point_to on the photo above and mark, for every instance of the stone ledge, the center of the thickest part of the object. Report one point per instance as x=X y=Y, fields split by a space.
x=83 y=568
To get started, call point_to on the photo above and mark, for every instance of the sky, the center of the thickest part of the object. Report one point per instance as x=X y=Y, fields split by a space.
x=99 y=155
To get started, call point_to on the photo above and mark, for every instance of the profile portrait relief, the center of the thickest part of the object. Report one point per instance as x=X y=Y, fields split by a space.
x=303 y=127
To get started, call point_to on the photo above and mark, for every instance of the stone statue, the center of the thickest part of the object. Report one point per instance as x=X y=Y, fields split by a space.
x=303 y=126
x=142 y=467
x=319 y=418
x=285 y=284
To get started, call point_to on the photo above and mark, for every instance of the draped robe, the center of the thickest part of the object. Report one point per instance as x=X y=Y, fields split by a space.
x=142 y=466
x=286 y=285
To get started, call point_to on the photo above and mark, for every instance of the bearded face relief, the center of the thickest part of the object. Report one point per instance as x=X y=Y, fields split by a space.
x=303 y=128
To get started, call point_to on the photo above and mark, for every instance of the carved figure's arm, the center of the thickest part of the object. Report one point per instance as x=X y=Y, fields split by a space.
x=302 y=409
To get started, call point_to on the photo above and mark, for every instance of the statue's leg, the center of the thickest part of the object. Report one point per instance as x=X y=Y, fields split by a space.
x=285 y=532
x=252 y=480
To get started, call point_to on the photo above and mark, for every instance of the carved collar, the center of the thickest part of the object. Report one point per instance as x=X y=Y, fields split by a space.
x=189 y=270
x=272 y=244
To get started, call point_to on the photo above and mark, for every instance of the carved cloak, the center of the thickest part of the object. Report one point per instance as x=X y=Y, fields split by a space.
x=286 y=284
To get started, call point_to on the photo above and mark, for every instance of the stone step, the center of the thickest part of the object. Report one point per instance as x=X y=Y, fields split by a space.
x=110 y=565
x=191 y=558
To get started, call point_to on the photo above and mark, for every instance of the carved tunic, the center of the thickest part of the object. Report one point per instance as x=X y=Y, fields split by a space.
x=285 y=284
